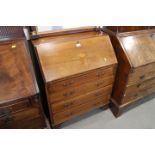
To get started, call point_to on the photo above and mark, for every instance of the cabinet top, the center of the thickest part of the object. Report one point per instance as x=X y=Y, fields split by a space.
x=16 y=76
x=139 y=47
x=73 y=54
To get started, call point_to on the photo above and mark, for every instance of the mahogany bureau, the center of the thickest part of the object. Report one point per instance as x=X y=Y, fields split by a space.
x=20 y=105
x=78 y=71
x=135 y=77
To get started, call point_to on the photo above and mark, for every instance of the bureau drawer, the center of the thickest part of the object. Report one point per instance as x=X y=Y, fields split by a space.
x=78 y=80
x=101 y=93
x=140 y=90
x=78 y=110
x=14 y=107
x=141 y=74
x=21 y=119
x=77 y=91
x=140 y=87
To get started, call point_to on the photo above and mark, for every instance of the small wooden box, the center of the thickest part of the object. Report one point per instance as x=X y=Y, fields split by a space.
x=78 y=71
x=135 y=76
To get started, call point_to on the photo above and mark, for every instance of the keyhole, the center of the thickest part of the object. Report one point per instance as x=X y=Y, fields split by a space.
x=78 y=44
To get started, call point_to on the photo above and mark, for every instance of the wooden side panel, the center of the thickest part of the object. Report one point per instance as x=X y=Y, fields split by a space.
x=122 y=73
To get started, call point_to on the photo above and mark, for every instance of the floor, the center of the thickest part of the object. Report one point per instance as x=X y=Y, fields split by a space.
x=139 y=116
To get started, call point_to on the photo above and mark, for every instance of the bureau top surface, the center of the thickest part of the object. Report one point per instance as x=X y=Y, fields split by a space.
x=16 y=79
x=63 y=57
x=139 y=47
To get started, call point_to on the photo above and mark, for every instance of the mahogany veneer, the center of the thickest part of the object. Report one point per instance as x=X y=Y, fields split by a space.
x=135 y=77
x=20 y=105
x=78 y=72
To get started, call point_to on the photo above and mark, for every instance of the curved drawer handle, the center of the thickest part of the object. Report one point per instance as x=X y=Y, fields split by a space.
x=67 y=84
x=68 y=104
x=98 y=84
x=98 y=94
x=69 y=114
x=98 y=74
x=6 y=111
x=136 y=95
x=68 y=94
x=138 y=85
x=142 y=77
x=8 y=121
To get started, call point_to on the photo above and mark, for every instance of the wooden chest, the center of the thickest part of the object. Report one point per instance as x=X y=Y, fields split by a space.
x=135 y=77
x=78 y=72
x=20 y=105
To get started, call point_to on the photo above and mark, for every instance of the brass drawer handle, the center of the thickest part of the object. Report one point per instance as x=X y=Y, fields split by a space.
x=95 y=104
x=8 y=121
x=68 y=104
x=98 y=74
x=138 y=85
x=142 y=77
x=69 y=114
x=97 y=94
x=68 y=94
x=67 y=84
x=98 y=84
x=6 y=111
x=136 y=95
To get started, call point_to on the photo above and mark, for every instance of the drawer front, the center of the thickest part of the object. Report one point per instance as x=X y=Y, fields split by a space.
x=131 y=98
x=63 y=116
x=77 y=91
x=80 y=79
x=20 y=119
x=141 y=74
x=99 y=94
x=14 y=107
x=140 y=90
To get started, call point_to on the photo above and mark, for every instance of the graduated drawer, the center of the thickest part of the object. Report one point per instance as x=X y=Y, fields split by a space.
x=98 y=94
x=135 y=92
x=14 y=107
x=78 y=110
x=80 y=79
x=80 y=90
x=141 y=74
x=21 y=119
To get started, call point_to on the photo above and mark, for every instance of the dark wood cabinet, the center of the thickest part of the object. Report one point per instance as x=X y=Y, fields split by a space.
x=78 y=72
x=135 y=77
x=20 y=105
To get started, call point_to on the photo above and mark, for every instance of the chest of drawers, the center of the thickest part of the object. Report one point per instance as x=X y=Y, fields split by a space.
x=20 y=105
x=78 y=72
x=135 y=77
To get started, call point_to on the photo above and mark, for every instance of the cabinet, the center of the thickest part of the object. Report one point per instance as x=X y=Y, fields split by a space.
x=20 y=105
x=78 y=72
x=135 y=76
